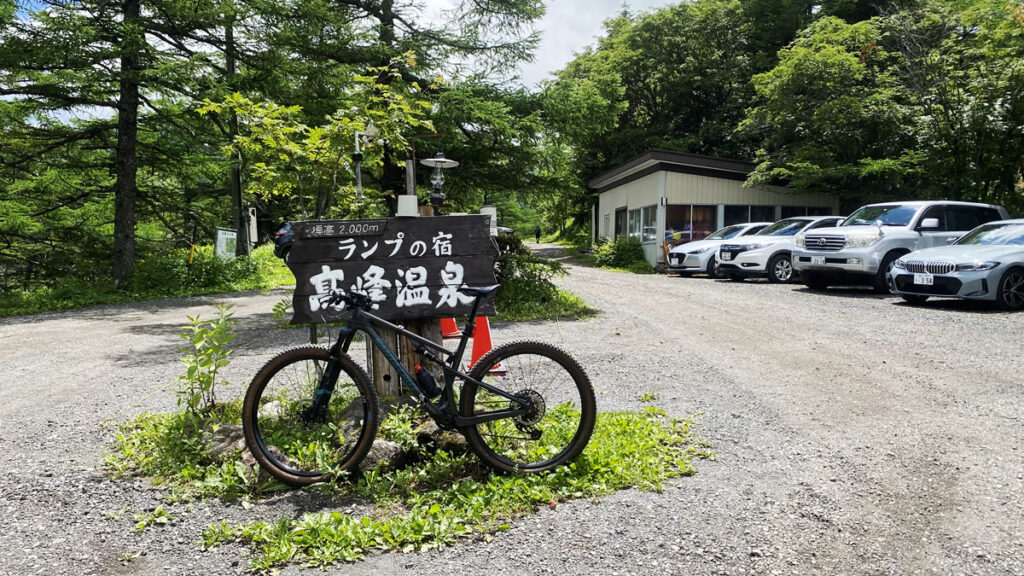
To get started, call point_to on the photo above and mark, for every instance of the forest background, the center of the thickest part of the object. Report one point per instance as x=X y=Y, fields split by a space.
x=129 y=128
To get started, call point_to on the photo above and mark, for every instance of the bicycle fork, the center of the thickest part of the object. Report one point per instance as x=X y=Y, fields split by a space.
x=316 y=412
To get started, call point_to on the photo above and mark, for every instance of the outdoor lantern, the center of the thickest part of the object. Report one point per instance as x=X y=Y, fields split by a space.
x=438 y=163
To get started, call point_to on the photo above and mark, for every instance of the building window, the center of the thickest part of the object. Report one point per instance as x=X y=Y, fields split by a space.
x=738 y=214
x=684 y=222
x=643 y=223
x=791 y=211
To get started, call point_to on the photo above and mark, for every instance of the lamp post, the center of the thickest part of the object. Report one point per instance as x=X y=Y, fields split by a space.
x=367 y=136
x=438 y=163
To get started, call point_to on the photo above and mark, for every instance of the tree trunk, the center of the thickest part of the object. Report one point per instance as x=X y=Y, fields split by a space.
x=126 y=164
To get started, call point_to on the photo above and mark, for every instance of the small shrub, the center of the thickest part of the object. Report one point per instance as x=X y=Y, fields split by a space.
x=206 y=355
x=625 y=252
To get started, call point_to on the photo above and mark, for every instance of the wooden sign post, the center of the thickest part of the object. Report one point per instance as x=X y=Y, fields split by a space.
x=411 y=268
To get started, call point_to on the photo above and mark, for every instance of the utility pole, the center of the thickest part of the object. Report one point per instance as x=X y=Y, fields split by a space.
x=235 y=178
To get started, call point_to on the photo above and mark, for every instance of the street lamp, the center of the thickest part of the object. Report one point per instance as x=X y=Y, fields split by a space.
x=438 y=163
x=367 y=136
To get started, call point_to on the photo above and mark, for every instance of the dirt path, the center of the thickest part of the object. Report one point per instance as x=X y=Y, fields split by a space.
x=854 y=435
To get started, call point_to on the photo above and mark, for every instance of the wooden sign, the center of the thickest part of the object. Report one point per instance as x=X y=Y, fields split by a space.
x=409 y=267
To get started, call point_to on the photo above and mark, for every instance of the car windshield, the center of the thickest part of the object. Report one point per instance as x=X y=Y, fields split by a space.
x=995 y=233
x=887 y=215
x=787 y=227
x=727 y=232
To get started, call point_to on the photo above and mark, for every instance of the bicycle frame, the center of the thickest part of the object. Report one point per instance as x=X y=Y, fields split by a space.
x=444 y=411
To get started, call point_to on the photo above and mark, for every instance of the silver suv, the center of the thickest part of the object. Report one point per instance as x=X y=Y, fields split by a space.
x=862 y=248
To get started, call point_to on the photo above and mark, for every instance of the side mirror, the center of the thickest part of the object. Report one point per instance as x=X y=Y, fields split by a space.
x=929 y=223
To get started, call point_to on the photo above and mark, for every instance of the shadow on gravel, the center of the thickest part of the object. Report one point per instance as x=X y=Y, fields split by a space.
x=955 y=305
x=860 y=292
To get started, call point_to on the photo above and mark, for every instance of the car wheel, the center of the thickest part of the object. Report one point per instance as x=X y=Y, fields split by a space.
x=712 y=267
x=881 y=285
x=1010 y=293
x=814 y=280
x=780 y=269
x=914 y=299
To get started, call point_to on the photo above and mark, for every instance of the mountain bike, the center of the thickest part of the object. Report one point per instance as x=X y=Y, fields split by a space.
x=311 y=413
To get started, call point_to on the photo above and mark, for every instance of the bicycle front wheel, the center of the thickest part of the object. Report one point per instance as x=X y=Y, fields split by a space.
x=556 y=390
x=291 y=439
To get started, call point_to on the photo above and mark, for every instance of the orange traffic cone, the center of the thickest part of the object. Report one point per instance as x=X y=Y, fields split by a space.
x=449 y=329
x=482 y=343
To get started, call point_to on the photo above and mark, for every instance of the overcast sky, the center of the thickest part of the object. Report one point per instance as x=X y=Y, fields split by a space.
x=569 y=26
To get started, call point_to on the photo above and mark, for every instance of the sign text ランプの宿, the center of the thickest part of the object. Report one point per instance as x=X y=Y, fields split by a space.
x=409 y=267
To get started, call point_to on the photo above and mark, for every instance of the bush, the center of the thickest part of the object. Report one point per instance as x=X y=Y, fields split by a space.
x=625 y=252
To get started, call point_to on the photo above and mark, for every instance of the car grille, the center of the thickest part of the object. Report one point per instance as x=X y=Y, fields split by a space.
x=734 y=248
x=943 y=286
x=922 y=267
x=824 y=242
x=675 y=259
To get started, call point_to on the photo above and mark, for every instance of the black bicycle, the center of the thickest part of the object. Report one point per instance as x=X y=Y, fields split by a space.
x=311 y=413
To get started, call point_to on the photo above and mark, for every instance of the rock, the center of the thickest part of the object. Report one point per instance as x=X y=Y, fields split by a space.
x=223 y=440
x=431 y=437
x=384 y=453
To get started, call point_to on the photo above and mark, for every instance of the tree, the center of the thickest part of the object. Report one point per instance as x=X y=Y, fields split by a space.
x=924 y=102
x=105 y=61
x=309 y=164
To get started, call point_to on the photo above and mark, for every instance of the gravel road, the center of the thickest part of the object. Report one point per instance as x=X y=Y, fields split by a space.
x=854 y=435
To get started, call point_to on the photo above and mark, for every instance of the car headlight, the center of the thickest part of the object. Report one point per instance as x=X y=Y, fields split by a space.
x=899 y=264
x=977 y=265
x=861 y=241
x=799 y=241
x=754 y=245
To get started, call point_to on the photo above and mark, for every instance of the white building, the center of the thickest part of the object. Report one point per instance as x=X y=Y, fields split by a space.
x=664 y=198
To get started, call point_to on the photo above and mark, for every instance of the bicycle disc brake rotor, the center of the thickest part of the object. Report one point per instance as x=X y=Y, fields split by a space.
x=533 y=402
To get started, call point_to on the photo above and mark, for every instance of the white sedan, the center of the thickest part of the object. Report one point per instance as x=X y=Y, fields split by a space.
x=699 y=255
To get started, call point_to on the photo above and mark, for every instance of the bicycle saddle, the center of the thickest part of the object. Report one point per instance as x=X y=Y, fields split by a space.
x=478 y=290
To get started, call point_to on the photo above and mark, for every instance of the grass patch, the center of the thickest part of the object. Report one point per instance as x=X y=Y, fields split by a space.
x=433 y=502
x=560 y=304
x=162 y=276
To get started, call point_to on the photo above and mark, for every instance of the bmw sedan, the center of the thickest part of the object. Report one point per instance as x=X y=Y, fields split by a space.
x=699 y=255
x=987 y=263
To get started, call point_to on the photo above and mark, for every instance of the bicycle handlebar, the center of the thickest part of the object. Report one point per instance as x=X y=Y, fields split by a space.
x=354 y=300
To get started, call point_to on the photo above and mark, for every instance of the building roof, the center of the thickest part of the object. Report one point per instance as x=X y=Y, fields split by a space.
x=654 y=160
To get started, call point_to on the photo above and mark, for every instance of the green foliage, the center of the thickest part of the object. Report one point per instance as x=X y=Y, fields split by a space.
x=624 y=252
x=205 y=356
x=158 y=276
x=168 y=449
x=158 y=517
x=527 y=291
x=438 y=500
x=923 y=102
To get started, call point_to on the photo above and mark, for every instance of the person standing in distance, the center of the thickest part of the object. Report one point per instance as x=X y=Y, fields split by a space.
x=536 y=232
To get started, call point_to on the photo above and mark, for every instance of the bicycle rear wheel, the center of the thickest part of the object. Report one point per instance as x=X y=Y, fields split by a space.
x=296 y=445
x=559 y=394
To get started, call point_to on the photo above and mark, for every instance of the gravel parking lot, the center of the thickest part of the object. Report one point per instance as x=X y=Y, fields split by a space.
x=854 y=435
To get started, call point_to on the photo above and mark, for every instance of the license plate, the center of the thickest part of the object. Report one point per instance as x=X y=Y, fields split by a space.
x=924 y=279
x=817 y=259
x=726 y=256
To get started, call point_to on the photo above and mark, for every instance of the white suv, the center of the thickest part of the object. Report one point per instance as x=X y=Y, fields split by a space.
x=767 y=253
x=862 y=249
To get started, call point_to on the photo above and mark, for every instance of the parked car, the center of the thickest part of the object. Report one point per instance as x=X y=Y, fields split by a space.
x=985 y=264
x=283 y=239
x=768 y=252
x=699 y=255
x=863 y=248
